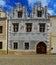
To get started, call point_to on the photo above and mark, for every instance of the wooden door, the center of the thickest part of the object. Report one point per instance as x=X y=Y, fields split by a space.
x=41 y=48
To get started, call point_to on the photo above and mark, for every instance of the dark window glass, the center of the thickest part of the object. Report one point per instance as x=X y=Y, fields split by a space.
x=19 y=14
x=28 y=27
x=0 y=45
x=0 y=29
x=26 y=46
x=15 y=45
x=15 y=27
x=39 y=13
x=42 y=27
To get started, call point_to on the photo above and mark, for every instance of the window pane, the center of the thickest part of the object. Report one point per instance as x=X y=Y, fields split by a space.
x=0 y=45
x=15 y=27
x=0 y=29
x=39 y=13
x=42 y=27
x=28 y=27
x=19 y=14
x=26 y=45
x=15 y=45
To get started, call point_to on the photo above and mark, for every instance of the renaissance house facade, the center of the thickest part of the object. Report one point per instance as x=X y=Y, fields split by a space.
x=29 y=34
x=3 y=31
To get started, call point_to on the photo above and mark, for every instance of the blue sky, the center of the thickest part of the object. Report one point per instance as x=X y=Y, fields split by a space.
x=7 y=4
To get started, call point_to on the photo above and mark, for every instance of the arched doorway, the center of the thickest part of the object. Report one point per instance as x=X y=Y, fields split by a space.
x=41 y=48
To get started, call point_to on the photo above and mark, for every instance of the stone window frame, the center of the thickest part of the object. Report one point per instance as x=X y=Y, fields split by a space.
x=13 y=45
x=24 y=45
x=13 y=30
x=20 y=14
x=31 y=25
x=39 y=13
x=42 y=27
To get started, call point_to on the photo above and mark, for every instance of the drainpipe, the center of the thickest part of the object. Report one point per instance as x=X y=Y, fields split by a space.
x=7 y=35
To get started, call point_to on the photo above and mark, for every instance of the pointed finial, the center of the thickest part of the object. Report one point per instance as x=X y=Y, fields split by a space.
x=39 y=4
x=19 y=4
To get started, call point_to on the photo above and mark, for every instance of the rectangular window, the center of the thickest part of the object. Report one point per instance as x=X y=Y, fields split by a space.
x=42 y=27
x=15 y=46
x=26 y=46
x=0 y=29
x=39 y=13
x=0 y=45
x=28 y=27
x=15 y=27
x=19 y=14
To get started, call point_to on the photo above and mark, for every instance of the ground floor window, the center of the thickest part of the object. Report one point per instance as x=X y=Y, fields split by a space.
x=0 y=45
x=26 y=46
x=15 y=45
x=1 y=29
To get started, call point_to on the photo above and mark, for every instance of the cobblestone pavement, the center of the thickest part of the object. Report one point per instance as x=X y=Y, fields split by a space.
x=27 y=59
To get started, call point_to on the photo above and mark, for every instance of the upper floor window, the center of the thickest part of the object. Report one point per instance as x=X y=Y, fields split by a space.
x=0 y=29
x=28 y=27
x=39 y=13
x=42 y=27
x=15 y=45
x=26 y=46
x=15 y=27
x=19 y=14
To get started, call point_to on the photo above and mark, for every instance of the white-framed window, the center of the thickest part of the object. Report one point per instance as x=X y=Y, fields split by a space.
x=20 y=14
x=28 y=27
x=39 y=13
x=26 y=46
x=41 y=27
x=15 y=27
x=15 y=45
